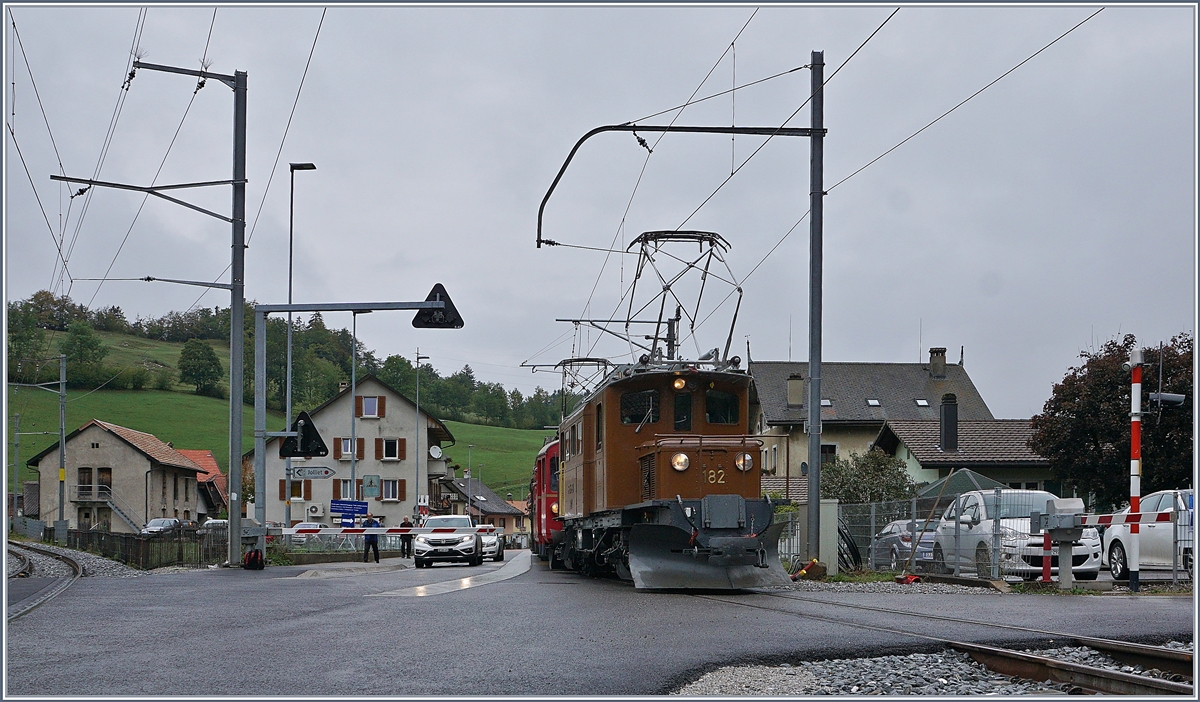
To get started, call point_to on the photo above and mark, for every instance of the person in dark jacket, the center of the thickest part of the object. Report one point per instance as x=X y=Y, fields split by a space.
x=370 y=541
x=406 y=547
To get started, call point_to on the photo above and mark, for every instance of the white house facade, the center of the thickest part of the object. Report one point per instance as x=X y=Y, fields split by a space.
x=371 y=437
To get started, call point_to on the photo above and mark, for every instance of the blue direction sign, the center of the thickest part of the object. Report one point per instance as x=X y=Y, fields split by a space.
x=348 y=507
x=347 y=520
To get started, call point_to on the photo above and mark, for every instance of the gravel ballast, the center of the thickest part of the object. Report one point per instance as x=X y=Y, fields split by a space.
x=93 y=566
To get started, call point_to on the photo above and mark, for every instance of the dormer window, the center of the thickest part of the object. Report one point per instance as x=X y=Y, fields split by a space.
x=826 y=403
x=872 y=402
x=921 y=402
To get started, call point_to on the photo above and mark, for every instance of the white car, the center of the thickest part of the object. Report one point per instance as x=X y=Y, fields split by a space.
x=300 y=538
x=1020 y=552
x=1154 y=540
x=434 y=548
x=493 y=546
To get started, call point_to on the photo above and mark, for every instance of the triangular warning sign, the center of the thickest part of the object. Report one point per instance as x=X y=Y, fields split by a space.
x=308 y=444
x=445 y=318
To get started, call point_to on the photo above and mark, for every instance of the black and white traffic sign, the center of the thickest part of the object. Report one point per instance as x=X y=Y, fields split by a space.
x=312 y=472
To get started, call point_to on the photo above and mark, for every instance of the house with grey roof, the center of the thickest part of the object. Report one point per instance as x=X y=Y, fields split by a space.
x=857 y=399
x=463 y=495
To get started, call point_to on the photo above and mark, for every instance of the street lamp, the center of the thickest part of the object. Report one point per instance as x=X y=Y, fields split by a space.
x=417 y=449
x=287 y=469
x=469 y=447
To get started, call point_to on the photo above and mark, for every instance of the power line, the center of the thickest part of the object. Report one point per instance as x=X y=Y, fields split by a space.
x=935 y=121
x=57 y=244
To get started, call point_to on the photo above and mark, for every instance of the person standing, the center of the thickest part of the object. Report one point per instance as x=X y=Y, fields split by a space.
x=406 y=541
x=370 y=541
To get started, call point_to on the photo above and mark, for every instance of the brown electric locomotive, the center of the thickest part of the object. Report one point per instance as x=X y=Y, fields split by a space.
x=660 y=483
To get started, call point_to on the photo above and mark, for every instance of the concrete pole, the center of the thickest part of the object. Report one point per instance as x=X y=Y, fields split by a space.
x=237 y=298
x=287 y=462
x=417 y=443
x=353 y=403
x=815 y=188
x=260 y=423
x=16 y=471
x=1135 y=465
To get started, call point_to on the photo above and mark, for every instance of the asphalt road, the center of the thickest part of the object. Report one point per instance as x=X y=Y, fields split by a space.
x=235 y=632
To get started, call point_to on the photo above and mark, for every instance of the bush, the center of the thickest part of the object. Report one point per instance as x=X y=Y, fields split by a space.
x=164 y=378
x=138 y=378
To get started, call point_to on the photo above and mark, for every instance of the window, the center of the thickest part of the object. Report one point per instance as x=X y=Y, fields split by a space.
x=95 y=444
x=871 y=402
x=391 y=449
x=174 y=487
x=341 y=448
x=346 y=489
x=828 y=453
x=1150 y=504
x=573 y=439
x=502 y=522
x=391 y=490
x=554 y=474
x=346 y=447
x=826 y=402
x=774 y=459
x=922 y=402
x=185 y=489
x=599 y=425
x=520 y=523
x=577 y=435
x=720 y=407
x=370 y=407
x=565 y=445
x=639 y=407
x=683 y=411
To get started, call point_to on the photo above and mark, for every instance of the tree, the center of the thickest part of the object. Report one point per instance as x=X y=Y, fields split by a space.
x=1084 y=428
x=199 y=366
x=26 y=342
x=871 y=477
x=82 y=347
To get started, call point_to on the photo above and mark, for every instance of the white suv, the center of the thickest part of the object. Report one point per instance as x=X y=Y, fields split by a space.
x=431 y=548
x=1020 y=552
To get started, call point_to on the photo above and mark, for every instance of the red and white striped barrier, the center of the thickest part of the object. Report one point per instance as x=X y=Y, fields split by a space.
x=1127 y=518
x=358 y=531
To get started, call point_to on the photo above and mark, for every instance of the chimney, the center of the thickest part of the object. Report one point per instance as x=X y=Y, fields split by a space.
x=937 y=361
x=949 y=423
x=795 y=390
x=342 y=385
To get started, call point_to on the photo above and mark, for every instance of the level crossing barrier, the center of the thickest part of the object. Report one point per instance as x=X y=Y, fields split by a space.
x=384 y=531
x=1127 y=518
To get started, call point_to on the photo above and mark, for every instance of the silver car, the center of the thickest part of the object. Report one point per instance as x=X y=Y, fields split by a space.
x=447 y=548
x=1020 y=552
x=1154 y=540
x=493 y=546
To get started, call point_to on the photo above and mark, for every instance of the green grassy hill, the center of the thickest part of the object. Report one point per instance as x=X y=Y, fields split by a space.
x=502 y=457
x=186 y=420
x=126 y=350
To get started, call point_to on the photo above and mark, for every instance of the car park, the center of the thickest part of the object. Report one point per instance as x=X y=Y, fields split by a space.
x=980 y=519
x=160 y=526
x=1154 y=540
x=447 y=548
x=493 y=546
x=892 y=546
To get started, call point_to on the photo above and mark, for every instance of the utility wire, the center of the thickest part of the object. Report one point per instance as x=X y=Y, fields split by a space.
x=161 y=164
x=972 y=95
x=723 y=92
x=36 y=94
x=785 y=122
x=57 y=244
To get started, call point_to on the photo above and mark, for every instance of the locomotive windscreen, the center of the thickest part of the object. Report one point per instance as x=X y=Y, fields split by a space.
x=639 y=407
x=683 y=411
x=721 y=407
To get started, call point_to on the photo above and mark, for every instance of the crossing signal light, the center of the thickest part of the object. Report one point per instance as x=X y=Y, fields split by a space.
x=445 y=318
x=307 y=443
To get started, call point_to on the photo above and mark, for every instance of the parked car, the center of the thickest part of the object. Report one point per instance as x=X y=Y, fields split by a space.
x=301 y=538
x=893 y=544
x=493 y=546
x=1154 y=540
x=160 y=526
x=213 y=526
x=1020 y=552
x=433 y=548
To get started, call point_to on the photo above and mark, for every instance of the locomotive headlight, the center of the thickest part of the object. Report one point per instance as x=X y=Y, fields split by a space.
x=744 y=461
x=554 y=507
x=680 y=383
x=680 y=462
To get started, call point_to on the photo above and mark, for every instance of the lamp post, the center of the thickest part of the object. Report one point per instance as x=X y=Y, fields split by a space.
x=417 y=443
x=469 y=447
x=287 y=470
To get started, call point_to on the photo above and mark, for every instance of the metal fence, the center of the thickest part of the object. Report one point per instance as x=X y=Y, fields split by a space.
x=982 y=533
x=186 y=547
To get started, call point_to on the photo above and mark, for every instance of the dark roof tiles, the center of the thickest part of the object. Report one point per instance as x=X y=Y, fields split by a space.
x=995 y=441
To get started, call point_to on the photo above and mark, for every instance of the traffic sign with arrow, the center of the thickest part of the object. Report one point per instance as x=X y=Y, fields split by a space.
x=313 y=472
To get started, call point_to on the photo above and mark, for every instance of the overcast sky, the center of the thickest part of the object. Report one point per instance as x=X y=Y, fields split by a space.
x=1052 y=212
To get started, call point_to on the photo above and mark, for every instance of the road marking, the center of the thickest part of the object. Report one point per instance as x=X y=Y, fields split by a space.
x=518 y=565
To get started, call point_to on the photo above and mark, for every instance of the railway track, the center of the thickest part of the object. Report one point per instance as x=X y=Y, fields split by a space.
x=1027 y=665
x=48 y=593
x=25 y=565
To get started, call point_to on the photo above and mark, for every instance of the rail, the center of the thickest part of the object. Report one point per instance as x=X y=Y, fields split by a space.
x=28 y=605
x=1009 y=662
x=25 y=567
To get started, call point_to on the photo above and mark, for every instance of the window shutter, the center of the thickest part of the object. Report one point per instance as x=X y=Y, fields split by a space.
x=361 y=449
x=379 y=449
x=337 y=489
x=307 y=490
x=337 y=447
x=357 y=405
x=282 y=490
x=382 y=409
x=402 y=490
x=401 y=449
x=358 y=489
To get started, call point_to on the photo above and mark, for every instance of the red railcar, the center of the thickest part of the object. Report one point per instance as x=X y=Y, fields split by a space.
x=543 y=502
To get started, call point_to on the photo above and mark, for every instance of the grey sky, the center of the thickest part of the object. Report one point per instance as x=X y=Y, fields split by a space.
x=1052 y=212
